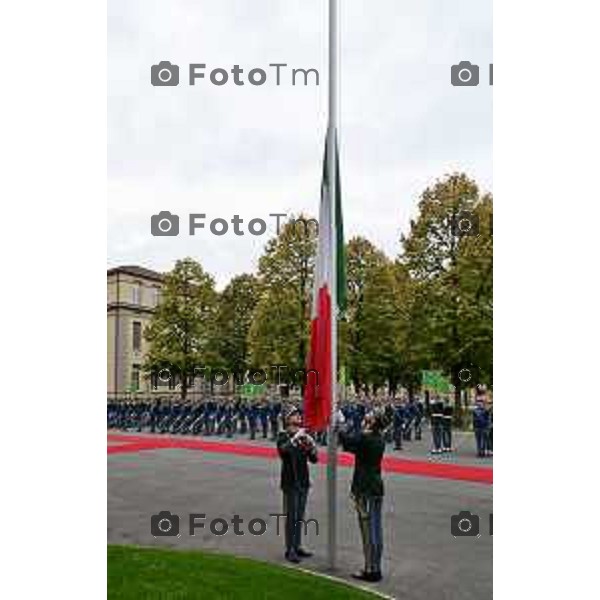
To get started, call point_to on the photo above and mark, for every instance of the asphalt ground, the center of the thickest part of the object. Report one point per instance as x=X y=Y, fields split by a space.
x=422 y=560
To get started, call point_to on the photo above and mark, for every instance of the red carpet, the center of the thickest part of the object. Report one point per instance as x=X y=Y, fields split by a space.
x=391 y=464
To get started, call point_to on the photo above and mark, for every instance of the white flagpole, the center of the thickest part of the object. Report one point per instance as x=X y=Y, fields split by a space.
x=332 y=176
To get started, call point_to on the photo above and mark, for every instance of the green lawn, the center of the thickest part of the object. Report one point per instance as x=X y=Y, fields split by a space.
x=176 y=575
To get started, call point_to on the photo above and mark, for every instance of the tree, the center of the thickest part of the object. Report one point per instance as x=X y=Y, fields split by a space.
x=411 y=345
x=380 y=326
x=361 y=259
x=181 y=331
x=280 y=327
x=236 y=305
x=475 y=273
x=443 y=261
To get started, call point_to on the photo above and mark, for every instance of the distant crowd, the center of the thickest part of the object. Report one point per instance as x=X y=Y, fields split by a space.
x=406 y=419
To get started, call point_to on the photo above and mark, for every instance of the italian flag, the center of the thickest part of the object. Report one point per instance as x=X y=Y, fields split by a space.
x=318 y=392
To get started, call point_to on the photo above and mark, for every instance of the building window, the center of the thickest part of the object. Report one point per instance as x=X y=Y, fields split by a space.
x=156 y=292
x=137 y=336
x=135 y=378
x=137 y=293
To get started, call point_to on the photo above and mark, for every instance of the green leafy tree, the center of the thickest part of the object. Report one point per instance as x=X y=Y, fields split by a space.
x=444 y=265
x=475 y=273
x=411 y=346
x=235 y=311
x=362 y=257
x=280 y=325
x=380 y=325
x=181 y=332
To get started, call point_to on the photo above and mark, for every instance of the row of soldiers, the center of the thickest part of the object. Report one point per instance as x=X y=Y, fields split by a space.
x=206 y=417
x=263 y=419
x=255 y=418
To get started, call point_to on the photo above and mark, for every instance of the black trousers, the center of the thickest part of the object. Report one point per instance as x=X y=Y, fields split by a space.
x=447 y=433
x=436 y=430
x=398 y=437
x=480 y=440
x=294 y=506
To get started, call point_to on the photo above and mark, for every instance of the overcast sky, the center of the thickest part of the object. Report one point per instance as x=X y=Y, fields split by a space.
x=255 y=150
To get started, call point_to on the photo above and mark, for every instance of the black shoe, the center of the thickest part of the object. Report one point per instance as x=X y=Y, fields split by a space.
x=292 y=557
x=303 y=553
x=370 y=577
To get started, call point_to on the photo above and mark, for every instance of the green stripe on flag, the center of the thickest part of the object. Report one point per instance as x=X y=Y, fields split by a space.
x=340 y=247
x=340 y=250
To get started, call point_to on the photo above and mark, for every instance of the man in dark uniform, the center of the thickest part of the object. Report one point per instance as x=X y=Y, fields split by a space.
x=154 y=415
x=274 y=414
x=367 y=490
x=489 y=438
x=447 y=427
x=409 y=415
x=228 y=420
x=263 y=415
x=419 y=412
x=252 y=419
x=480 y=425
x=398 y=421
x=243 y=416
x=295 y=449
x=437 y=417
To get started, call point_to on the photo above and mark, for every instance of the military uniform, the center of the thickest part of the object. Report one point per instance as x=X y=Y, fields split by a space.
x=274 y=419
x=295 y=483
x=437 y=417
x=252 y=420
x=263 y=415
x=409 y=415
x=367 y=491
x=447 y=427
x=419 y=411
x=489 y=446
x=398 y=426
x=480 y=427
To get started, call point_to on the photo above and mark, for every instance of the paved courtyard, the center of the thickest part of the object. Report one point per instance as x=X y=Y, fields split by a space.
x=422 y=560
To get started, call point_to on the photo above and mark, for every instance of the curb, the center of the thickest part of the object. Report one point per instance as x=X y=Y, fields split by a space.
x=335 y=579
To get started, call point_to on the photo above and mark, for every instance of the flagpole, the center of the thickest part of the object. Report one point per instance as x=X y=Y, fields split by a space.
x=332 y=177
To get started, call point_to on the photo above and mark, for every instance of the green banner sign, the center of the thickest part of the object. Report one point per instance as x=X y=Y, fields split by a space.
x=436 y=381
x=251 y=389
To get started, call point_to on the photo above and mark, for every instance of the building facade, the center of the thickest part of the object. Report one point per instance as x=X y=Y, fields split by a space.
x=132 y=295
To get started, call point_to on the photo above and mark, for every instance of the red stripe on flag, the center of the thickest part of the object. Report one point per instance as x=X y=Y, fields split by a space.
x=317 y=393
